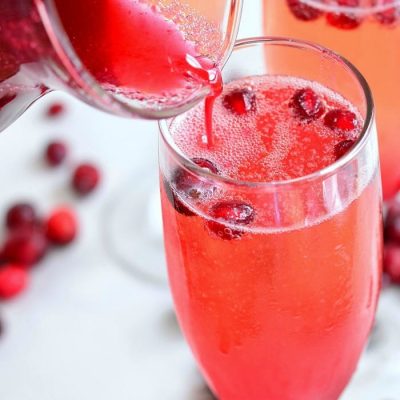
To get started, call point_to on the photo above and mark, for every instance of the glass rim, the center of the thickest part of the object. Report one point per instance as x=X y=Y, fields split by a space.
x=86 y=81
x=360 y=10
x=325 y=172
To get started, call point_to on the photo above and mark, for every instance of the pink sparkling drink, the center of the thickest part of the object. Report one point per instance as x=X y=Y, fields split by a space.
x=273 y=234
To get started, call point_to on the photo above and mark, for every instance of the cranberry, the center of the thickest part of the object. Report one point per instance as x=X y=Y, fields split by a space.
x=344 y=20
x=389 y=15
x=85 y=179
x=303 y=11
x=20 y=215
x=25 y=246
x=55 y=110
x=391 y=262
x=6 y=99
x=343 y=147
x=341 y=120
x=55 y=153
x=190 y=185
x=231 y=212
x=13 y=280
x=240 y=101
x=307 y=104
x=61 y=226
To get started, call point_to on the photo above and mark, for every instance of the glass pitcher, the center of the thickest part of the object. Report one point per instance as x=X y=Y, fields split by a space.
x=38 y=56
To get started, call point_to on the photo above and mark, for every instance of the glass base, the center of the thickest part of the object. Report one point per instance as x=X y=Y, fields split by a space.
x=134 y=227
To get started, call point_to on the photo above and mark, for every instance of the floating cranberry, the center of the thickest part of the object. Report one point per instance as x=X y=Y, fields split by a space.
x=229 y=212
x=55 y=110
x=61 y=226
x=392 y=262
x=240 y=101
x=55 y=153
x=189 y=186
x=303 y=11
x=85 y=179
x=344 y=20
x=342 y=148
x=13 y=280
x=21 y=215
x=307 y=104
x=25 y=246
x=389 y=15
x=341 y=120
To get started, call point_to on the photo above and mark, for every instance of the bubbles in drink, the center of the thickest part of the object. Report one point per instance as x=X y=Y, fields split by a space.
x=259 y=134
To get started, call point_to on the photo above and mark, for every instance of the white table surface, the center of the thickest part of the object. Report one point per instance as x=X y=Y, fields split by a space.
x=86 y=329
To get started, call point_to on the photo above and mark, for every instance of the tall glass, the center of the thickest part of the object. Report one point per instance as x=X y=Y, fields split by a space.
x=282 y=312
x=366 y=32
x=37 y=55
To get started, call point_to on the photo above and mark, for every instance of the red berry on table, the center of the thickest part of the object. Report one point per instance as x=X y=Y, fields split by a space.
x=307 y=104
x=55 y=110
x=55 y=153
x=25 y=245
x=13 y=280
x=391 y=262
x=303 y=11
x=20 y=215
x=342 y=148
x=230 y=212
x=85 y=179
x=61 y=226
x=240 y=101
x=341 y=120
x=346 y=20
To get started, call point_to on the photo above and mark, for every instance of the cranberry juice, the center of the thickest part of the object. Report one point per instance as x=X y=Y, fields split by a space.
x=132 y=46
x=370 y=38
x=276 y=298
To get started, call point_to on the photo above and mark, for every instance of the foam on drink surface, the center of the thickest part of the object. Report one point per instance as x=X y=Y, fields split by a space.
x=270 y=143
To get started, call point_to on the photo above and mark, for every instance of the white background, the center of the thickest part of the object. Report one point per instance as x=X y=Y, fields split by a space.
x=86 y=328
